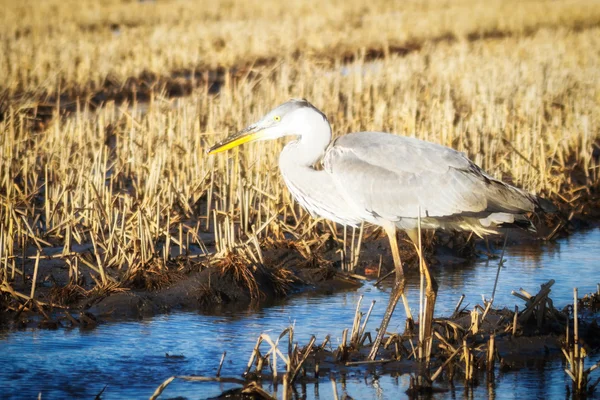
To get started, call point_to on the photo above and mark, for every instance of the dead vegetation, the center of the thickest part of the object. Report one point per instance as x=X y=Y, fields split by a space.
x=471 y=346
x=116 y=195
x=75 y=50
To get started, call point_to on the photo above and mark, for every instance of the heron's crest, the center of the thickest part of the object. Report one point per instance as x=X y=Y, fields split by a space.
x=293 y=105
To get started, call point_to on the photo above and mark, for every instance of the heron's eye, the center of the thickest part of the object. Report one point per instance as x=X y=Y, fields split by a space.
x=277 y=118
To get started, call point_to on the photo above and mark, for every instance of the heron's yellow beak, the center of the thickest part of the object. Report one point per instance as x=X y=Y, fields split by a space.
x=249 y=134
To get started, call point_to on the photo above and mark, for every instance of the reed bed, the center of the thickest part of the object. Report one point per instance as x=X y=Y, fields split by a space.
x=55 y=47
x=112 y=190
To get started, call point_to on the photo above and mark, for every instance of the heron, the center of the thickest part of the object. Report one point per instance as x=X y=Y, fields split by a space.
x=392 y=181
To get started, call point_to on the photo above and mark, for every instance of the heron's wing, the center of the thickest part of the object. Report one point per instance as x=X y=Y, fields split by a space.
x=393 y=177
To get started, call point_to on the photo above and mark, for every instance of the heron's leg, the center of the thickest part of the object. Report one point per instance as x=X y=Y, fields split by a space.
x=397 y=292
x=431 y=288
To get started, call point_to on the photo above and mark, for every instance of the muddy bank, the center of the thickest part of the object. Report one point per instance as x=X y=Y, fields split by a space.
x=213 y=290
x=183 y=284
x=198 y=282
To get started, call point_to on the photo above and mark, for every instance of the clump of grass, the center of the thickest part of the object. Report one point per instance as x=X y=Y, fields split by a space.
x=243 y=273
x=282 y=281
x=66 y=295
x=152 y=278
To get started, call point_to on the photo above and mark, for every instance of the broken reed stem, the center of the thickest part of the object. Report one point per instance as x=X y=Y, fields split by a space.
x=358 y=246
x=35 y=274
x=457 y=308
x=354 y=335
x=576 y=355
x=255 y=353
x=575 y=368
x=469 y=362
x=422 y=300
x=487 y=309
x=161 y=388
x=475 y=321
x=221 y=364
x=364 y=325
x=575 y=323
x=491 y=352
x=515 y=321
x=344 y=340
x=303 y=358
x=441 y=368
x=334 y=387
x=285 y=387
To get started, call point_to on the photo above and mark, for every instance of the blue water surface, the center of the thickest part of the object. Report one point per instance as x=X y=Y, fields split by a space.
x=129 y=358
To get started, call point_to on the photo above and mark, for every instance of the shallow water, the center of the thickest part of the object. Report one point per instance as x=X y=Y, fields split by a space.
x=129 y=357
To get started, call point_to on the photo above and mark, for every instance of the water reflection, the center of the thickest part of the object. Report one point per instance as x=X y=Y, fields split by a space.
x=130 y=358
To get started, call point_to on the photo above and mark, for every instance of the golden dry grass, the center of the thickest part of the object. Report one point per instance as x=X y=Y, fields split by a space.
x=57 y=46
x=134 y=181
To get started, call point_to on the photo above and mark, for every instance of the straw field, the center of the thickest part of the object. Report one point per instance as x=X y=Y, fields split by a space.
x=108 y=189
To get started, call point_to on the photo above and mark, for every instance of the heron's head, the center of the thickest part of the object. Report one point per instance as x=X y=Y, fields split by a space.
x=282 y=121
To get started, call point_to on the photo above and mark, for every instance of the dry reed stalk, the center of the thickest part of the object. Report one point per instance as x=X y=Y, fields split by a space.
x=35 y=275
x=491 y=352
x=475 y=321
x=342 y=349
x=302 y=360
x=488 y=307
x=334 y=387
x=221 y=364
x=361 y=334
x=448 y=360
x=534 y=304
x=457 y=308
x=356 y=250
x=469 y=362
x=274 y=351
x=355 y=332
x=422 y=304
x=255 y=353
x=515 y=321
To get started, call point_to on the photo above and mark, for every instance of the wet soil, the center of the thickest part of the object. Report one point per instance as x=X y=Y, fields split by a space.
x=185 y=283
x=198 y=282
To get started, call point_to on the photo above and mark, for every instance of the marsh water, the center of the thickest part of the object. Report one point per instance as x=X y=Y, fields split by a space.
x=129 y=358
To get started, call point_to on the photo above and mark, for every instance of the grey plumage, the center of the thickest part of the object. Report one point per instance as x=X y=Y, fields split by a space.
x=392 y=178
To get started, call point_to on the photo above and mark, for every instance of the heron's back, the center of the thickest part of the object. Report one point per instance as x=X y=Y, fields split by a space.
x=388 y=177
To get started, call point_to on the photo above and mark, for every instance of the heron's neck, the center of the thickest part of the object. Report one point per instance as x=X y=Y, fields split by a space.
x=314 y=135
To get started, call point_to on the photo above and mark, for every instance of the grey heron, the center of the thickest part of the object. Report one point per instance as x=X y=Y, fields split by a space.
x=386 y=180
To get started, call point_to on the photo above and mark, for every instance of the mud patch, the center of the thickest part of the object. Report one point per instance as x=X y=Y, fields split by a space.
x=229 y=283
